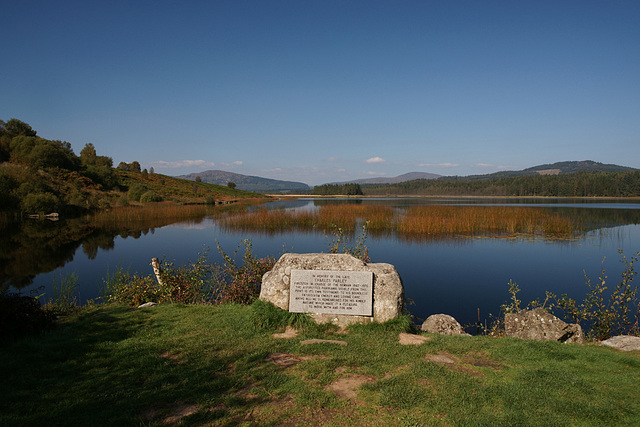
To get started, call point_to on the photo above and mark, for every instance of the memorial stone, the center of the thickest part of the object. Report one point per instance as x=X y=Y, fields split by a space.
x=357 y=292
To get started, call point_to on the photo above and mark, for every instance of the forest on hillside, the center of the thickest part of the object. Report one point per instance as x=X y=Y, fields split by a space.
x=41 y=176
x=579 y=184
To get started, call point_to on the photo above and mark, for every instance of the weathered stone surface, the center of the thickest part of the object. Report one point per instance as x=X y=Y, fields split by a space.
x=539 y=324
x=443 y=324
x=148 y=304
x=388 y=292
x=624 y=342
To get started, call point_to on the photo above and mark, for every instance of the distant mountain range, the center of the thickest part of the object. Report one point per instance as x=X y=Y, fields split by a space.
x=246 y=182
x=558 y=168
x=394 y=180
x=264 y=185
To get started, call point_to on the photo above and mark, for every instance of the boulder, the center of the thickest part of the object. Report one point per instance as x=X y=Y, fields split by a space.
x=443 y=324
x=623 y=342
x=539 y=324
x=388 y=291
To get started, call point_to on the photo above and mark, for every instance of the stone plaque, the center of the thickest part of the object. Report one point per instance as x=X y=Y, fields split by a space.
x=331 y=292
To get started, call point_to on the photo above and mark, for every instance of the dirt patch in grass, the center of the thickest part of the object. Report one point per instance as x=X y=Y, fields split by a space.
x=346 y=387
x=289 y=332
x=453 y=363
x=411 y=339
x=283 y=359
x=171 y=415
x=174 y=357
x=482 y=361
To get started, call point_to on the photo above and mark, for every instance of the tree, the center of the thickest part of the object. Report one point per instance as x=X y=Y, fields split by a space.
x=88 y=155
x=123 y=166
x=151 y=170
x=134 y=167
x=15 y=127
x=198 y=179
x=231 y=185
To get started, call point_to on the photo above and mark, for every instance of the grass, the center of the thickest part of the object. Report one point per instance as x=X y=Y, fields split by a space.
x=111 y=365
x=425 y=222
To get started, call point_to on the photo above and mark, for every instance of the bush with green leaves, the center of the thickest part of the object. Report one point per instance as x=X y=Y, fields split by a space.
x=240 y=283
x=21 y=316
x=136 y=191
x=150 y=197
x=606 y=314
x=40 y=203
x=194 y=283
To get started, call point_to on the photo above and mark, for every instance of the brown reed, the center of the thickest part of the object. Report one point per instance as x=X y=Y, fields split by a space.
x=420 y=221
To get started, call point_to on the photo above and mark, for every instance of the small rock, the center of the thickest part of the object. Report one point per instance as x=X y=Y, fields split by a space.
x=539 y=324
x=443 y=324
x=148 y=304
x=623 y=342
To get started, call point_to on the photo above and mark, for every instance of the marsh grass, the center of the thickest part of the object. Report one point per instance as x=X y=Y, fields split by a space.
x=420 y=222
x=111 y=365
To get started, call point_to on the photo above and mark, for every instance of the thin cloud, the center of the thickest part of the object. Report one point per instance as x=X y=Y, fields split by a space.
x=182 y=164
x=439 y=165
x=375 y=160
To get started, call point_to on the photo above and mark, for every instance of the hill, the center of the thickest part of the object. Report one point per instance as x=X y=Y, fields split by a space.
x=246 y=182
x=38 y=175
x=558 y=168
x=393 y=180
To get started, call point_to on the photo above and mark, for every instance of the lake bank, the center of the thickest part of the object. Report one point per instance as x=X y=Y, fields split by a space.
x=111 y=365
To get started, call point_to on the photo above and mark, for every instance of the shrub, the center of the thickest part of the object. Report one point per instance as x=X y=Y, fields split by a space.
x=607 y=314
x=21 y=316
x=150 y=197
x=40 y=203
x=136 y=191
x=130 y=289
x=240 y=284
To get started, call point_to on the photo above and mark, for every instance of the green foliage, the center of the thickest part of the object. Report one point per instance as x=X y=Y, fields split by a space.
x=581 y=184
x=21 y=316
x=240 y=284
x=607 y=314
x=265 y=315
x=64 y=300
x=340 y=244
x=130 y=289
x=338 y=189
x=150 y=197
x=195 y=283
x=34 y=203
x=136 y=191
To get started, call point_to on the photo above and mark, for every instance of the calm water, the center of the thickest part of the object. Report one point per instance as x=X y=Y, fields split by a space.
x=456 y=276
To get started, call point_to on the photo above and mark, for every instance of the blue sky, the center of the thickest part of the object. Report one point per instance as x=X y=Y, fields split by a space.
x=323 y=91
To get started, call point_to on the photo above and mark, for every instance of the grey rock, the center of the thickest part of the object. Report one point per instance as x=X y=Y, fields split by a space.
x=443 y=324
x=539 y=324
x=148 y=304
x=623 y=342
x=388 y=291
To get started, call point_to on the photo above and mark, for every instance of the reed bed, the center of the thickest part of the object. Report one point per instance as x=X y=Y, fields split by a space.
x=422 y=222
x=325 y=218
x=158 y=213
x=485 y=220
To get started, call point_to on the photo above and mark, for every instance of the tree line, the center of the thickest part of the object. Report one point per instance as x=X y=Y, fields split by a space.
x=42 y=175
x=580 y=184
x=337 y=189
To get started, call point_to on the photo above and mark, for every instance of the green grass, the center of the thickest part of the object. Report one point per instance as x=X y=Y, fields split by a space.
x=112 y=365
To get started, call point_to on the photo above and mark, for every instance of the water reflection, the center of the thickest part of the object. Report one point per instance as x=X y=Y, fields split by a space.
x=453 y=274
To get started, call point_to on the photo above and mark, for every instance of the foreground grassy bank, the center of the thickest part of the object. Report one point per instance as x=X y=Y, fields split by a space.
x=211 y=365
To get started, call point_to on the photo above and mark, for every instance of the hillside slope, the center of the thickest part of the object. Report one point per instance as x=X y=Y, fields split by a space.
x=246 y=182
